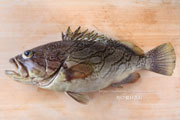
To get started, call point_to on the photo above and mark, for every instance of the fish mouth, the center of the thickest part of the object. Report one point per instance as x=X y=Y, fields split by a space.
x=20 y=69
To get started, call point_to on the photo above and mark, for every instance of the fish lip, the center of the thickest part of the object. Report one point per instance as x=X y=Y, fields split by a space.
x=22 y=70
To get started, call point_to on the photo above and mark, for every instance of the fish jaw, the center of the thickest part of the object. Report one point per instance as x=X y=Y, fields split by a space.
x=20 y=74
x=17 y=77
x=13 y=74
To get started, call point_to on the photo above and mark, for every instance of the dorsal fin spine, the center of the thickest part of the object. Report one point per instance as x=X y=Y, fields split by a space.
x=91 y=36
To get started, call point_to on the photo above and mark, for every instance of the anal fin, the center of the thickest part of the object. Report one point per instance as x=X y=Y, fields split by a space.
x=130 y=79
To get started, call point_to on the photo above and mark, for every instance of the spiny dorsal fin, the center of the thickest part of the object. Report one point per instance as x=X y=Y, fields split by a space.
x=90 y=36
x=78 y=35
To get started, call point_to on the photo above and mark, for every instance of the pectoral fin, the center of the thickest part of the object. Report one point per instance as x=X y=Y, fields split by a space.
x=81 y=98
x=130 y=79
x=79 y=71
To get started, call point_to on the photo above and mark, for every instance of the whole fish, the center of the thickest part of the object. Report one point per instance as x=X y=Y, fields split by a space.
x=86 y=61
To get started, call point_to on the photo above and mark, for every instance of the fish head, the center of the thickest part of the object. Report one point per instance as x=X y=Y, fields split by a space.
x=36 y=66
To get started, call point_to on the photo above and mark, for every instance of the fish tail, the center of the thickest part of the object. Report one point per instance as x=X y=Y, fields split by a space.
x=161 y=59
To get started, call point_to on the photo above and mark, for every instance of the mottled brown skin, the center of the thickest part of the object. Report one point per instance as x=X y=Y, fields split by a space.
x=93 y=65
x=86 y=62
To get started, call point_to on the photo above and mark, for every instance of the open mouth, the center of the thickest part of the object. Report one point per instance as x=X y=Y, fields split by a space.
x=20 y=69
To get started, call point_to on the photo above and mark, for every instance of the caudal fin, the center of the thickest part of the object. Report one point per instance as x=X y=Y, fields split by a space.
x=161 y=59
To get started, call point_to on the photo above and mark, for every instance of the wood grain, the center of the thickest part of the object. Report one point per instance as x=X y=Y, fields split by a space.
x=27 y=23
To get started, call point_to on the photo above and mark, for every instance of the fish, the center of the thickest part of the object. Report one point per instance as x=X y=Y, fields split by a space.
x=85 y=61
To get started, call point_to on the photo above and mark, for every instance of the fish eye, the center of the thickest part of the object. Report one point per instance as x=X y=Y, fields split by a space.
x=27 y=54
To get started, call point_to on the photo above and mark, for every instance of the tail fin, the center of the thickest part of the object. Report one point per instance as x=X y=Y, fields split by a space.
x=161 y=59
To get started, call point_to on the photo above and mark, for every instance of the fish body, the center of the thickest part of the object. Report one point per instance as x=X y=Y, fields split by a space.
x=85 y=62
x=103 y=64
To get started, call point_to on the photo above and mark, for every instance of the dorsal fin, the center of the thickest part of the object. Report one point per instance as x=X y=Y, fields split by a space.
x=78 y=35
x=89 y=36
x=134 y=47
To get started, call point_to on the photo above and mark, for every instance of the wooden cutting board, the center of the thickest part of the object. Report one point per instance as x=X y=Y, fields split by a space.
x=148 y=23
